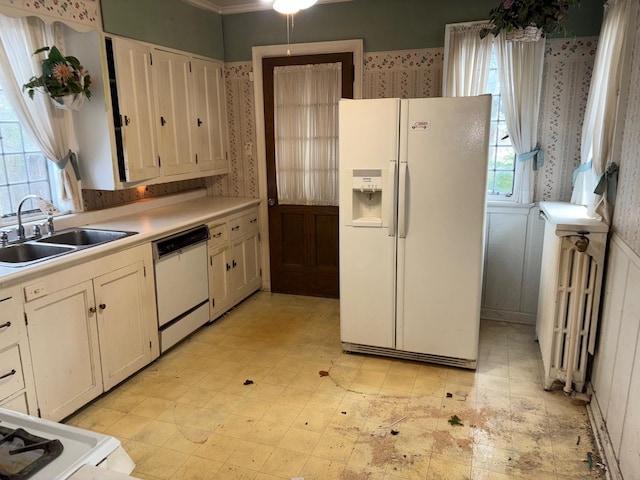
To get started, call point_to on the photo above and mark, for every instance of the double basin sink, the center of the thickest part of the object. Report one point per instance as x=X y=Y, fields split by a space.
x=56 y=244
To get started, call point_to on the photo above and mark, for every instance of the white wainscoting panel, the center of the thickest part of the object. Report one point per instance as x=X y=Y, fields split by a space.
x=512 y=263
x=616 y=372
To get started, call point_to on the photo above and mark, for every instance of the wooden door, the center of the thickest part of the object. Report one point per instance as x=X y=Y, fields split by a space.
x=303 y=240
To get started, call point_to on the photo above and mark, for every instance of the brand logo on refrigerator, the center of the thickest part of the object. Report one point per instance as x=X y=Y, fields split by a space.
x=421 y=126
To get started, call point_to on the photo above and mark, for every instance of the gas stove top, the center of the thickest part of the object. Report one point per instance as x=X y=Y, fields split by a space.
x=60 y=449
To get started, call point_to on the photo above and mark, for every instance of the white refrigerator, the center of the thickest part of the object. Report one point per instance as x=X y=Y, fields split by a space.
x=413 y=184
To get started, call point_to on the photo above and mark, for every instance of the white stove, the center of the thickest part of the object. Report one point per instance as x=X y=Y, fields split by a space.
x=80 y=447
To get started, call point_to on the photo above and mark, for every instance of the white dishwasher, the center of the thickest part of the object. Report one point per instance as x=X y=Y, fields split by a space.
x=182 y=288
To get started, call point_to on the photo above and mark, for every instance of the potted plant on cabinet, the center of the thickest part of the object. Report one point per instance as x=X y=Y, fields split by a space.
x=528 y=20
x=63 y=79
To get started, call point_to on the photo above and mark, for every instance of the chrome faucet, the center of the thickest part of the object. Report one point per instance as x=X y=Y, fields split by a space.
x=21 y=235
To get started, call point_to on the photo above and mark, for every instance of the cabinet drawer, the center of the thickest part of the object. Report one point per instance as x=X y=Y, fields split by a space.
x=8 y=327
x=11 y=378
x=218 y=234
x=245 y=224
x=17 y=404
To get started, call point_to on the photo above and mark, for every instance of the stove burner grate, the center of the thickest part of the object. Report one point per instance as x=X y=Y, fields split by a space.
x=23 y=454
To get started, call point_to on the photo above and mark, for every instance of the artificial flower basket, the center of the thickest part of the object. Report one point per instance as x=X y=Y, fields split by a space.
x=64 y=79
x=528 y=20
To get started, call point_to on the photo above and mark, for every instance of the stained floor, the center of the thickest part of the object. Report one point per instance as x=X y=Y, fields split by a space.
x=245 y=398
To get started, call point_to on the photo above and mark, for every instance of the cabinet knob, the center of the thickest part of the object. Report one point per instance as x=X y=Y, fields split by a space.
x=234 y=264
x=163 y=122
x=228 y=267
x=200 y=122
x=5 y=325
x=92 y=309
x=127 y=120
x=102 y=306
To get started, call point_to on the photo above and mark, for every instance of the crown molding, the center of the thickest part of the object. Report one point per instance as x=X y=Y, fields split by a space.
x=241 y=7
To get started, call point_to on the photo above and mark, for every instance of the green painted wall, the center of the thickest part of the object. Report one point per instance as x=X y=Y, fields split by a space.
x=383 y=24
x=170 y=23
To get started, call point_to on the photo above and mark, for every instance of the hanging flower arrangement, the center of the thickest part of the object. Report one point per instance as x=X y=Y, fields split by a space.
x=514 y=17
x=64 y=79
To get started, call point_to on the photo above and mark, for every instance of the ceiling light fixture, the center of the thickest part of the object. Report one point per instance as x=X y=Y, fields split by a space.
x=289 y=7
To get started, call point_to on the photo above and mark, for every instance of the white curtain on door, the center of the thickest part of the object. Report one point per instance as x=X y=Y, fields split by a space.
x=600 y=115
x=50 y=128
x=520 y=70
x=306 y=133
x=466 y=60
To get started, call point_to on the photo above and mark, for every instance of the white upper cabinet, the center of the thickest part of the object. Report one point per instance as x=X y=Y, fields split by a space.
x=155 y=115
x=172 y=84
x=135 y=103
x=210 y=114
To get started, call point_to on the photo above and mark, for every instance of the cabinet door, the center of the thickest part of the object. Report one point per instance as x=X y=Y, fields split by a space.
x=173 y=112
x=135 y=100
x=122 y=310
x=245 y=266
x=66 y=378
x=210 y=121
x=219 y=281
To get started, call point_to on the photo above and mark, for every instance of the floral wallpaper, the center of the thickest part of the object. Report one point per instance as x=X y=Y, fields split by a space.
x=418 y=73
x=626 y=215
x=86 y=12
x=404 y=74
x=242 y=180
x=565 y=88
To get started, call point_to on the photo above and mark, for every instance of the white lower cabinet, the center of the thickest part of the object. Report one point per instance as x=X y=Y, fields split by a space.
x=16 y=381
x=63 y=336
x=234 y=260
x=87 y=337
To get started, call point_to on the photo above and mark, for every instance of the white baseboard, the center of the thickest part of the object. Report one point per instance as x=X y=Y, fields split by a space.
x=506 y=316
x=602 y=439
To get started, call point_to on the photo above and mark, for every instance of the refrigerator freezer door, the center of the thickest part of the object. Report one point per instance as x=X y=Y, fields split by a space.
x=440 y=261
x=368 y=142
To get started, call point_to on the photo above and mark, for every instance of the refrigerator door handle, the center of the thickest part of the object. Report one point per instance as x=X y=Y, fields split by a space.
x=402 y=199
x=393 y=204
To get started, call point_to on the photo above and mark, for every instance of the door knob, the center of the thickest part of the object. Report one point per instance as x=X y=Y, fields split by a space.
x=271 y=202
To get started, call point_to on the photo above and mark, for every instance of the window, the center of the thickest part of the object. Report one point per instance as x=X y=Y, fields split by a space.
x=24 y=170
x=502 y=157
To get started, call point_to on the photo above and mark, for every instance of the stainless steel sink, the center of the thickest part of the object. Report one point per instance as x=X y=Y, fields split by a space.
x=84 y=237
x=26 y=253
x=59 y=243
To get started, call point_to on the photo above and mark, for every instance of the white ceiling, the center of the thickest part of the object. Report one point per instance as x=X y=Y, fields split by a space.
x=240 y=6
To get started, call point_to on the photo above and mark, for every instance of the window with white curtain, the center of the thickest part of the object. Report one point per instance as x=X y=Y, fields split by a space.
x=472 y=67
x=23 y=167
x=502 y=156
x=306 y=133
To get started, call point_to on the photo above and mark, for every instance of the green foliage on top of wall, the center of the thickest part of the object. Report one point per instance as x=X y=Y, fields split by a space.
x=170 y=23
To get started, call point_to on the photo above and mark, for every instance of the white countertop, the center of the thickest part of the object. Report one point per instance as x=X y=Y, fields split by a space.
x=147 y=218
x=571 y=217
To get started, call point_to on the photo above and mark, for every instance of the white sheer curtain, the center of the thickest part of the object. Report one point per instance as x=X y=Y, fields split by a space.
x=51 y=128
x=466 y=60
x=306 y=133
x=520 y=70
x=600 y=115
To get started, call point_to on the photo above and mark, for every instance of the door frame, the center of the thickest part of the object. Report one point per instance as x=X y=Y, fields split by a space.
x=258 y=53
